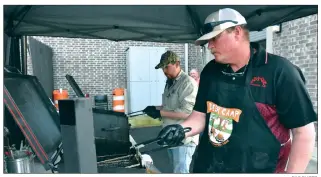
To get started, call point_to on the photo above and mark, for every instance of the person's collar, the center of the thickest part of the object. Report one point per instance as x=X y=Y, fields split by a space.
x=179 y=75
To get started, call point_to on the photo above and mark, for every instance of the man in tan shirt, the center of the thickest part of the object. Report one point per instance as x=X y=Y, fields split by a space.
x=178 y=101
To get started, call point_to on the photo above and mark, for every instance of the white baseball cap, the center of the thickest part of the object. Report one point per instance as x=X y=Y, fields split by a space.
x=219 y=21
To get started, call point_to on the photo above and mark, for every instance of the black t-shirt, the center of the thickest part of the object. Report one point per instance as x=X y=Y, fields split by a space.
x=277 y=85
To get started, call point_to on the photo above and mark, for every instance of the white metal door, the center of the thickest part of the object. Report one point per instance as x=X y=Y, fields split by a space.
x=138 y=96
x=138 y=63
x=158 y=77
x=145 y=84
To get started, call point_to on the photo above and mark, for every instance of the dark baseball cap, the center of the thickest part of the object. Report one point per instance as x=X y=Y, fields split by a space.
x=167 y=58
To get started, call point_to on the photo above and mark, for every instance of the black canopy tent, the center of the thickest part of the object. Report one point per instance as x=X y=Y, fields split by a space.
x=163 y=23
x=179 y=23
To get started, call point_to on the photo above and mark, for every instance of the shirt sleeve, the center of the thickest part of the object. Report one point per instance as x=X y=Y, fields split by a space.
x=293 y=103
x=187 y=96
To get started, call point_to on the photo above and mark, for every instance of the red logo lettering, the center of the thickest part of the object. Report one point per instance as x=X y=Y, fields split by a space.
x=258 y=82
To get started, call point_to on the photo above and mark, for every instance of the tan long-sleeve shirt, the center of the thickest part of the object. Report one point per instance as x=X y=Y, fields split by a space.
x=180 y=97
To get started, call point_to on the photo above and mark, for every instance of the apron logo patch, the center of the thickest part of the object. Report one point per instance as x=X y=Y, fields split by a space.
x=258 y=82
x=221 y=123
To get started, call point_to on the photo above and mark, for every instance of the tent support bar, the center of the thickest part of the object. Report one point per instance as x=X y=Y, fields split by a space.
x=139 y=32
x=268 y=9
x=24 y=10
x=99 y=29
x=271 y=9
x=285 y=16
x=68 y=30
x=195 y=20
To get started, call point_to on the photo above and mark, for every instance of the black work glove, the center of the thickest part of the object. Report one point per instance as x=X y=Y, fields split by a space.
x=149 y=108
x=152 y=112
x=172 y=135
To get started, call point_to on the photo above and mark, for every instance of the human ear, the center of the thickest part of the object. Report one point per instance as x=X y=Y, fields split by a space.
x=238 y=33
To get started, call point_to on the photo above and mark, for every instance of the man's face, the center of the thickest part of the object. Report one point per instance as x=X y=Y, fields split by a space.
x=194 y=74
x=223 y=46
x=170 y=70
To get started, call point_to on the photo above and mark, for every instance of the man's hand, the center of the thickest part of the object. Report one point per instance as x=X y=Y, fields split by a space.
x=172 y=135
x=152 y=112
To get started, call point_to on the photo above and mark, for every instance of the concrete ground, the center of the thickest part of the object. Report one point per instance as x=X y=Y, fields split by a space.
x=313 y=165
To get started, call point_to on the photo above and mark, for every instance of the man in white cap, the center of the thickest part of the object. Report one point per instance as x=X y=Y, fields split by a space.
x=247 y=104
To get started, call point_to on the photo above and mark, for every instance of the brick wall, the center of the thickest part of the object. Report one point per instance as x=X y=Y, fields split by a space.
x=195 y=57
x=99 y=66
x=298 y=42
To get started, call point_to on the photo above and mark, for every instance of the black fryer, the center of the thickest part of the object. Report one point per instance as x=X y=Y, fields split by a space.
x=111 y=135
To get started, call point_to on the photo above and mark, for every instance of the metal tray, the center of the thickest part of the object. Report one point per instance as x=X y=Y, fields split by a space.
x=34 y=113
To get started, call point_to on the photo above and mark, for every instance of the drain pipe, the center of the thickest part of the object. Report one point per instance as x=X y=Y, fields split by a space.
x=186 y=58
x=269 y=37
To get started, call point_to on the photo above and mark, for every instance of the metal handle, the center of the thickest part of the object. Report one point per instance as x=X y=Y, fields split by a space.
x=186 y=129
x=147 y=142
x=135 y=115
x=154 y=150
x=131 y=114
x=135 y=112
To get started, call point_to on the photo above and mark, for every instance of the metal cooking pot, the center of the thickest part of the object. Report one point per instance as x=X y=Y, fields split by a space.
x=20 y=162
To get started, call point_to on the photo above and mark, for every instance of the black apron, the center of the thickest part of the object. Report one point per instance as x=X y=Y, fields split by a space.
x=246 y=146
